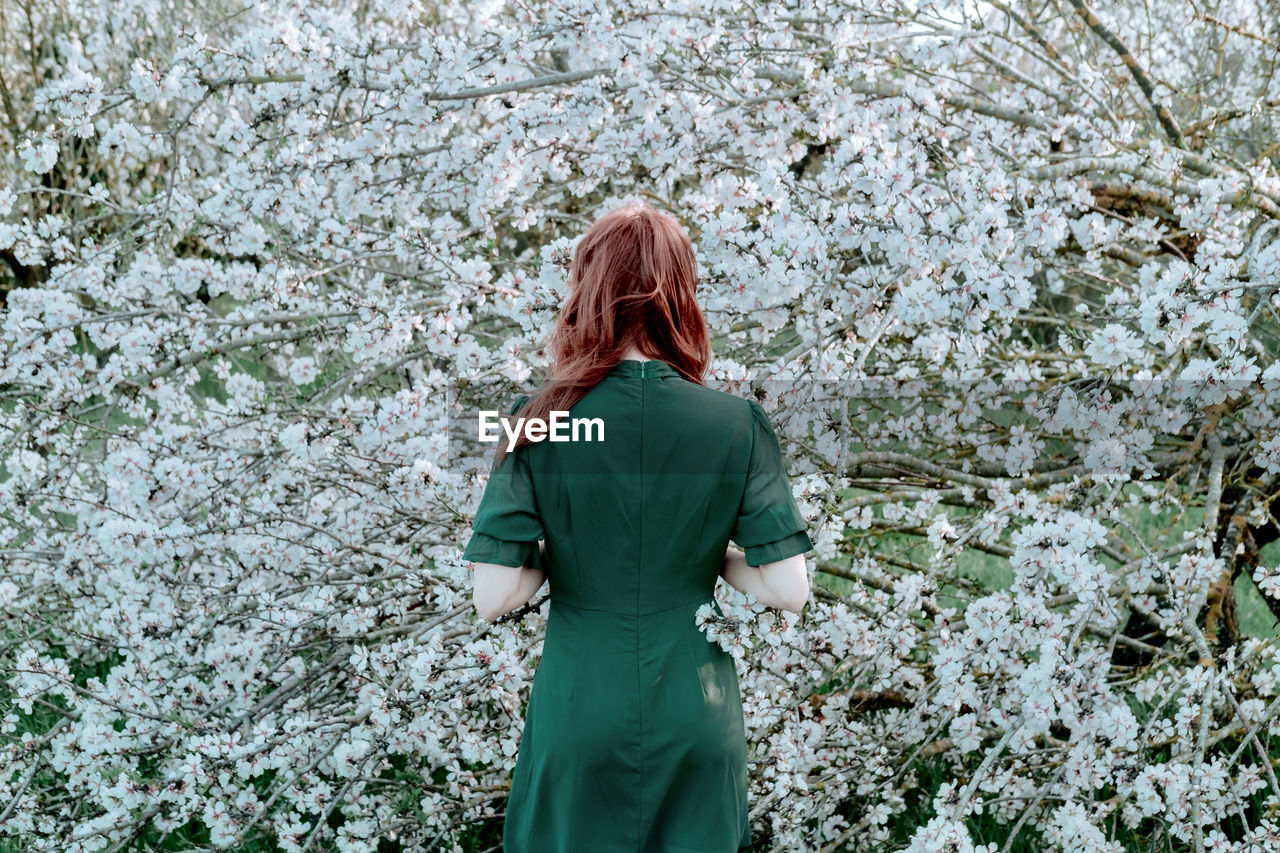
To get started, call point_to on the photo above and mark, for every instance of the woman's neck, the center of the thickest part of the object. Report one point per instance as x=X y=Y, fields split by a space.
x=634 y=354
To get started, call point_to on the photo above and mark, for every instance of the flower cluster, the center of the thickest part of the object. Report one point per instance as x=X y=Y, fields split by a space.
x=743 y=625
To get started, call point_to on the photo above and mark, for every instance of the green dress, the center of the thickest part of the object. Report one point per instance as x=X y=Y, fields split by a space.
x=634 y=740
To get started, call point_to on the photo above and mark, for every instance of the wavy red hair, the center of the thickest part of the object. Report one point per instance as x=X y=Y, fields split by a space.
x=632 y=281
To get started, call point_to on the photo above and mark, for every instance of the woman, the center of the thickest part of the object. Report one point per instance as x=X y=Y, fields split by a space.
x=634 y=737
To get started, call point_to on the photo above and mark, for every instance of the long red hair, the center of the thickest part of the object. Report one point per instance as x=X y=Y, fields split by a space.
x=632 y=280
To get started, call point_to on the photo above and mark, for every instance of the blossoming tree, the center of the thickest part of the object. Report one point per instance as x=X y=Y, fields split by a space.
x=1005 y=274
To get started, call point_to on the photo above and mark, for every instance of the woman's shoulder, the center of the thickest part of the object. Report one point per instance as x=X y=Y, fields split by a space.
x=713 y=399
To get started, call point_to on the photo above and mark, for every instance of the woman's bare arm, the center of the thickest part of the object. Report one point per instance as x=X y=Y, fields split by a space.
x=783 y=584
x=498 y=589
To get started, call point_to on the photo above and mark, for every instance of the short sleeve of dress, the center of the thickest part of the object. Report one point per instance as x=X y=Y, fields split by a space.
x=507 y=526
x=769 y=526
